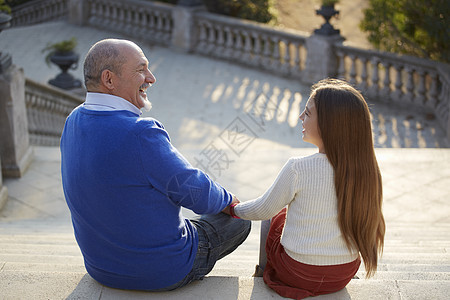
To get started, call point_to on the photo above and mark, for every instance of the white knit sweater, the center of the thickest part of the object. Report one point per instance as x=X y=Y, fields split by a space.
x=311 y=234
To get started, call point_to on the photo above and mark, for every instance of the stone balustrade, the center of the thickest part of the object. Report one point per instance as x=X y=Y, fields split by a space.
x=149 y=21
x=400 y=79
x=39 y=11
x=384 y=76
x=280 y=51
x=47 y=109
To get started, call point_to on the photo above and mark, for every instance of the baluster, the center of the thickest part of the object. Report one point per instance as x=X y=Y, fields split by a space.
x=264 y=61
x=102 y=19
x=239 y=46
x=37 y=115
x=42 y=118
x=247 y=57
x=397 y=93
x=144 y=29
x=163 y=35
x=167 y=28
x=433 y=92
x=129 y=20
x=220 y=41
x=420 y=97
x=151 y=24
x=352 y=74
x=363 y=85
x=409 y=96
x=386 y=90
x=201 y=47
x=286 y=58
x=120 y=19
x=114 y=16
x=374 y=79
x=93 y=15
x=107 y=19
x=341 y=60
x=136 y=21
x=53 y=128
x=162 y=25
x=228 y=53
x=28 y=102
x=276 y=63
x=211 y=39
x=297 y=68
x=443 y=102
x=154 y=26
x=257 y=49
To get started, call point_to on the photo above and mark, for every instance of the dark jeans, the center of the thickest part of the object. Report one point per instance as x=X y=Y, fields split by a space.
x=218 y=236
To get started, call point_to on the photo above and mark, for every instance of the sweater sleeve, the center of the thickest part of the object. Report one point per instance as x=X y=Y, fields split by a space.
x=172 y=175
x=280 y=194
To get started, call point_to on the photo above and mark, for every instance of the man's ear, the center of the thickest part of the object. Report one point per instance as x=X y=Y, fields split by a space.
x=107 y=79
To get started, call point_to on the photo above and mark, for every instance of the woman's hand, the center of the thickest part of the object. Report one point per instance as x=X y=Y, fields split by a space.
x=234 y=201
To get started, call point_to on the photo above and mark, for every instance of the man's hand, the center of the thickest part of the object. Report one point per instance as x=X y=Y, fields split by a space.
x=234 y=201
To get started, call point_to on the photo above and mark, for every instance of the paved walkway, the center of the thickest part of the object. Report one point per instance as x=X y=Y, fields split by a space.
x=197 y=98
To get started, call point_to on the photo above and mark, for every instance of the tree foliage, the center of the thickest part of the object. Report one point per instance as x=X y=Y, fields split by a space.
x=415 y=27
x=256 y=10
x=4 y=7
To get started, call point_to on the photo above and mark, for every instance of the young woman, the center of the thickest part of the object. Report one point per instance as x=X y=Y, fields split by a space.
x=333 y=215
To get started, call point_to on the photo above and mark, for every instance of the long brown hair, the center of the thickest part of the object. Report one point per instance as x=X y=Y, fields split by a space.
x=345 y=127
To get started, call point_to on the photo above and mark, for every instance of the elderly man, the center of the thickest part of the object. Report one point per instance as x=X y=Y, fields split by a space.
x=125 y=184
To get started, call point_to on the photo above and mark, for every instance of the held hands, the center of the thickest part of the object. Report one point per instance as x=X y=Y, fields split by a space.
x=229 y=210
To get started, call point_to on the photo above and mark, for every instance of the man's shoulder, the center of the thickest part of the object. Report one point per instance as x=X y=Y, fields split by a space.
x=150 y=127
x=149 y=123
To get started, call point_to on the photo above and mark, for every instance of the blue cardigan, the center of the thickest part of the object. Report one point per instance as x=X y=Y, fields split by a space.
x=125 y=184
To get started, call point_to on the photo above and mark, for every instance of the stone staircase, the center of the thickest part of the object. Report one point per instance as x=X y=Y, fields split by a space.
x=40 y=260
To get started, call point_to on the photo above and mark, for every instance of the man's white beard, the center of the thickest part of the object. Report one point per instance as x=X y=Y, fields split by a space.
x=147 y=105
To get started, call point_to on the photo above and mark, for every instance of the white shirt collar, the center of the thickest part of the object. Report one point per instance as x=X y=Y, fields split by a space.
x=106 y=102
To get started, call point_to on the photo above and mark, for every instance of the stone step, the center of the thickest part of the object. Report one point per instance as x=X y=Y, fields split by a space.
x=246 y=250
x=39 y=258
x=79 y=285
x=226 y=267
x=407 y=275
x=62 y=246
x=444 y=266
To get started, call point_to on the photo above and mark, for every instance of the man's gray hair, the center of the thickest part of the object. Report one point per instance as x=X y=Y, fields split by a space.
x=103 y=55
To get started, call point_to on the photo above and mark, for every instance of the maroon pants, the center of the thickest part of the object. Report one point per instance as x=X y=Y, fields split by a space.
x=293 y=279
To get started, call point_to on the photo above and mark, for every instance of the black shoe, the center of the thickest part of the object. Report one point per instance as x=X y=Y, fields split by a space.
x=258 y=271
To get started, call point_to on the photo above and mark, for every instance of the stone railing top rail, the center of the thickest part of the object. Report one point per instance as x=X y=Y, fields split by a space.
x=124 y=4
x=32 y=4
x=54 y=91
x=236 y=23
x=397 y=59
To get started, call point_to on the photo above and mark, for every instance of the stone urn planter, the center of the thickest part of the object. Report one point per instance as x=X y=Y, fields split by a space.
x=63 y=55
x=327 y=11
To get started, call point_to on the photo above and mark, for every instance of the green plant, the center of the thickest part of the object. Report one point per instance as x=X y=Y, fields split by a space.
x=62 y=47
x=256 y=10
x=413 y=27
x=4 y=7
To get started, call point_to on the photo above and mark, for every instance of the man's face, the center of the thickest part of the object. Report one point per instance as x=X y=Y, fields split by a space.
x=134 y=78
